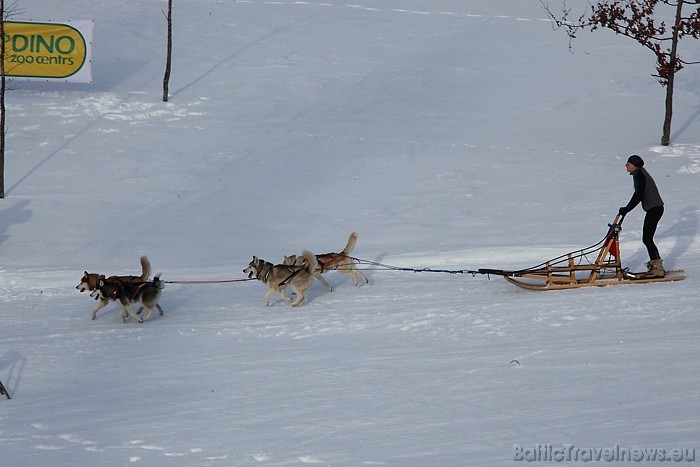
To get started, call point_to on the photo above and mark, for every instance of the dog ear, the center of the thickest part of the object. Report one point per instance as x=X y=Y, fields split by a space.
x=100 y=282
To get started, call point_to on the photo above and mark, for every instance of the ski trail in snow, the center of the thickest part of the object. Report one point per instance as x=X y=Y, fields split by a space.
x=356 y=6
x=112 y=108
x=135 y=450
x=102 y=112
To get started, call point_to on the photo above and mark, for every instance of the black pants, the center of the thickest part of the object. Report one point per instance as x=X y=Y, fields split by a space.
x=651 y=220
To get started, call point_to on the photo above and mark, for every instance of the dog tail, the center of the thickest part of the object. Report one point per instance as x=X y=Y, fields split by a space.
x=145 y=268
x=310 y=261
x=351 y=244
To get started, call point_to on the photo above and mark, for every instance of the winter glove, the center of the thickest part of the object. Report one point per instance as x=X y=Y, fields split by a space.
x=623 y=210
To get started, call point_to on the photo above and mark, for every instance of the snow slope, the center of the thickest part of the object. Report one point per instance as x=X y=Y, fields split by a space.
x=451 y=134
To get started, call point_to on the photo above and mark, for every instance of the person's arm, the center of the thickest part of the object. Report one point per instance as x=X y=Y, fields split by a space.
x=640 y=183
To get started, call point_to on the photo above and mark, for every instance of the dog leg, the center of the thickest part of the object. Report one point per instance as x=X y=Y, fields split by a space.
x=127 y=308
x=148 y=314
x=299 y=301
x=300 y=296
x=123 y=314
x=268 y=295
x=103 y=303
x=160 y=310
x=359 y=273
x=323 y=281
x=283 y=295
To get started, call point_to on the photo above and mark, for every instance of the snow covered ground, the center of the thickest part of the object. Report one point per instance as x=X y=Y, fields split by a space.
x=450 y=134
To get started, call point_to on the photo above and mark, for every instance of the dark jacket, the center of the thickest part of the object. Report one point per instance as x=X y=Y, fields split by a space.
x=645 y=191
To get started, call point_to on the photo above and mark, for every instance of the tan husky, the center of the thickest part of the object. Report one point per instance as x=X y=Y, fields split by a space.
x=340 y=262
x=278 y=276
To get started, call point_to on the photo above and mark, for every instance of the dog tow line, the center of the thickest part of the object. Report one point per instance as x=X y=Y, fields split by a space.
x=209 y=282
x=389 y=267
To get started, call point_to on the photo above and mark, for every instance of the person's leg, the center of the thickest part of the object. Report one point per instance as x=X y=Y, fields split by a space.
x=651 y=221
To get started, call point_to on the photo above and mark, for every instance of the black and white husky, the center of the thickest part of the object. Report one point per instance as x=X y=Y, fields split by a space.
x=148 y=293
x=89 y=281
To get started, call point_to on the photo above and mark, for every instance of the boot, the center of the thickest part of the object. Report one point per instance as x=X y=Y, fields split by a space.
x=656 y=268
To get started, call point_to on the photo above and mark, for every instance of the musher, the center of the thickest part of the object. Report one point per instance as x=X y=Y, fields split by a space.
x=646 y=192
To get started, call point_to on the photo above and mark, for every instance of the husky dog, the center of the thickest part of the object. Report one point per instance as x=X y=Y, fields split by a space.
x=90 y=280
x=295 y=260
x=340 y=262
x=148 y=293
x=278 y=276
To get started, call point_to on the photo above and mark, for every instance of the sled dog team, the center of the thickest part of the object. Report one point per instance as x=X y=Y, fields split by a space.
x=298 y=272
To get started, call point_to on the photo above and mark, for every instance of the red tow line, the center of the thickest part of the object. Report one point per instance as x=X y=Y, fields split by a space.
x=208 y=282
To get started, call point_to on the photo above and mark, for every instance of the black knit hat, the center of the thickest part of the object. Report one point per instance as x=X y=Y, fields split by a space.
x=636 y=161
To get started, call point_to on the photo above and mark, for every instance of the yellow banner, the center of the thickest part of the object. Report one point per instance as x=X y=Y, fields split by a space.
x=52 y=51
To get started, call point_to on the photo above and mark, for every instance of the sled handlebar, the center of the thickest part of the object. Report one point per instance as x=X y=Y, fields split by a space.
x=617 y=223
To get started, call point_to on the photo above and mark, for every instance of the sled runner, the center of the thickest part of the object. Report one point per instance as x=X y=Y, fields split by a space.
x=575 y=269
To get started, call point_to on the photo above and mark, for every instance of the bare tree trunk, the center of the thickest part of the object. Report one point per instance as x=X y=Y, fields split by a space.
x=2 y=98
x=666 y=135
x=166 y=78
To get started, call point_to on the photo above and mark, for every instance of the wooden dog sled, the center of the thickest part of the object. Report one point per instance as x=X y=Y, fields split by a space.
x=575 y=269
